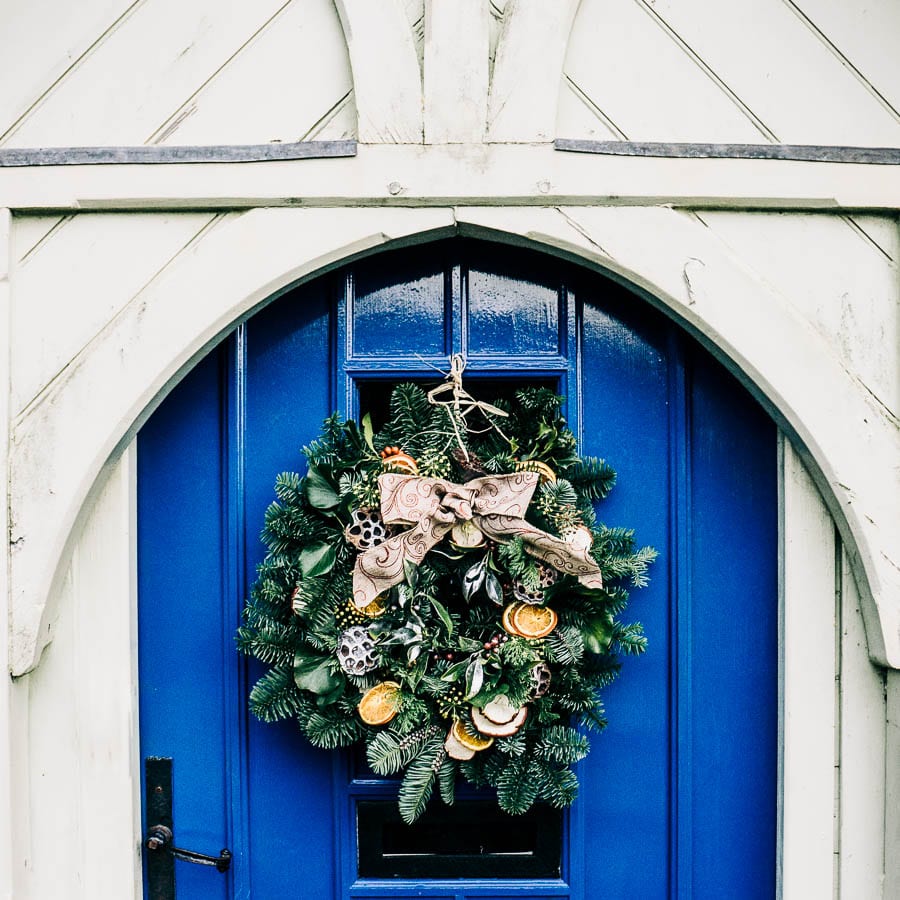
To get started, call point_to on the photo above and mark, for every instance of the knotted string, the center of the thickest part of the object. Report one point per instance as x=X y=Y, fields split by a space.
x=462 y=403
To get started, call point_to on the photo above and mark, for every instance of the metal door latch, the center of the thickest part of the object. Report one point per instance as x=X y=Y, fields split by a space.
x=160 y=838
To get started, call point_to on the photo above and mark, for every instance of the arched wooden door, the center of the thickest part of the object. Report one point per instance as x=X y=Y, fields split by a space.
x=678 y=795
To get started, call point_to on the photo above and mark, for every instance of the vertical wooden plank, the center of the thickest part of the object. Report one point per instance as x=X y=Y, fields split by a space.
x=105 y=620
x=527 y=69
x=84 y=801
x=862 y=771
x=6 y=725
x=456 y=70
x=387 y=81
x=892 y=788
x=809 y=673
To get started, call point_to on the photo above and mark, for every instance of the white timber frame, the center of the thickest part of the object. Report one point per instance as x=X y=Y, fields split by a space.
x=452 y=141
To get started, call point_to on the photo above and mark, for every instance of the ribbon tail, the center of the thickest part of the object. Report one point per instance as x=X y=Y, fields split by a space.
x=546 y=547
x=380 y=568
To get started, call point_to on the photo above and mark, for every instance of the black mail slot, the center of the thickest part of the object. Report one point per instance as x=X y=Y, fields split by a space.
x=471 y=839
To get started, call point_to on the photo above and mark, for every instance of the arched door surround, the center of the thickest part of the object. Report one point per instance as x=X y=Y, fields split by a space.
x=61 y=446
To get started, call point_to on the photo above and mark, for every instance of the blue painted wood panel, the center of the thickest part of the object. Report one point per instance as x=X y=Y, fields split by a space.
x=678 y=795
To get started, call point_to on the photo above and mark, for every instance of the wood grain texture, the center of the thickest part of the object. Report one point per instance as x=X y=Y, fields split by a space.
x=878 y=156
x=862 y=756
x=387 y=82
x=109 y=261
x=85 y=802
x=140 y=72
x=289 y=75
x=781 y=71
x=732 y=74
x=457 y=37
x=527 y=68
x=616 y=55
x=809 y=686
x=232 y=153
x=34 y=58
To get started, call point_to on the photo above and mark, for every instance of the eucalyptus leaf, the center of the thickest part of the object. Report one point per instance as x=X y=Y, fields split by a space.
x=319 y=492
x=472 y=580
x=493 y=588
x=314 y=674
x=474 y=677
x=317 y=559
x=443 y=615
x=456 y=671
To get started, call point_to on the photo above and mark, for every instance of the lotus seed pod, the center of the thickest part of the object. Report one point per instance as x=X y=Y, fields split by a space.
x=356 y=651
x=366 y=529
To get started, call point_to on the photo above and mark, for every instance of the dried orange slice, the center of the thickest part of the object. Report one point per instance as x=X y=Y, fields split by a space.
x=507 y=620
x=534 y=621
x=380 y=703
x=467 y=739
x=375 y=608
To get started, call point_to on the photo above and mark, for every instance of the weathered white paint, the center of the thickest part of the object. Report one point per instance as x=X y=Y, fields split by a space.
x=6 y=720
x=841 y=280
x=58 y=448
x=865 y=36
x=461 y=175
x=650 y=87
x=81 y=779
x=525 y=83
x=781 y=70
x=809 y=688
x=861 y=801
x=300 y=52
x=113 y=261
x=456 y=70
x=892 y=788
x=387 y=81
x=33 y=57
x=141 y=72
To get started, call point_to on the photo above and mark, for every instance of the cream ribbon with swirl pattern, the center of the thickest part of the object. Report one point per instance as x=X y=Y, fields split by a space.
x=432 y=506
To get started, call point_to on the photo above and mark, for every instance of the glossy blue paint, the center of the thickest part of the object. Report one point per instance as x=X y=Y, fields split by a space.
x=678 y=795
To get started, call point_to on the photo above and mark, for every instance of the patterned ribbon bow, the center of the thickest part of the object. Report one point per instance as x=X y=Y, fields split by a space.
x=496 y=504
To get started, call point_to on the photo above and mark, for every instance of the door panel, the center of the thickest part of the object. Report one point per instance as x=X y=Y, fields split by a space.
x=678 y=794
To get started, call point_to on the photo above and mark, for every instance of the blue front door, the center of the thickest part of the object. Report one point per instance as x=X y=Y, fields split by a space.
x=678 y=795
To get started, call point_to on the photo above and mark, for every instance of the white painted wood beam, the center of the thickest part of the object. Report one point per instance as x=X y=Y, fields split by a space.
x=6 y=726
x=458 y=175
x=809 y=686
x=457 y=44
x=387 y=82
x=528 y=69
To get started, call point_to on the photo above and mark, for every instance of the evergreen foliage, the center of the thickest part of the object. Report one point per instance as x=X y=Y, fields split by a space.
x=443 y=645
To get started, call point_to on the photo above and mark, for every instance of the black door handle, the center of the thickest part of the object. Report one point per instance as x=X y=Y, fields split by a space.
x=159 y=839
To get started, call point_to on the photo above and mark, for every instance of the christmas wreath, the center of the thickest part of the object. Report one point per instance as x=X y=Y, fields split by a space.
x=443 y=592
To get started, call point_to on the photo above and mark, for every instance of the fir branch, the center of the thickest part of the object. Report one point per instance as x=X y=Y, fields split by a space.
x=418 y=782
x=561 y=744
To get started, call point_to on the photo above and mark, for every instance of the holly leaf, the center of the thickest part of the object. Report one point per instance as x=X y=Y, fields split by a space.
x=493 y=588
x=316 y=559
x=319 y=492
x=313 y=673
x=474 y=677
x=473 y=580
x=443 y=615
